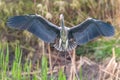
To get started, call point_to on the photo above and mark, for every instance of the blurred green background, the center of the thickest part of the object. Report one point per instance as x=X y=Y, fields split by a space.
x=75 y=11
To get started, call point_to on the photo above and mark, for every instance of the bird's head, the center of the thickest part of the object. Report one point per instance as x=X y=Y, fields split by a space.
x=61 y=17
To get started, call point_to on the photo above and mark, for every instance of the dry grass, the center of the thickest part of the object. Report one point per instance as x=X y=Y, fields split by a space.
x=75 y=11
x=107 y=70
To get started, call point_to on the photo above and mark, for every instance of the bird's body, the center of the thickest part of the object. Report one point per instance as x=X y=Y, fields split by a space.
x=63 y=38
x=63 y=41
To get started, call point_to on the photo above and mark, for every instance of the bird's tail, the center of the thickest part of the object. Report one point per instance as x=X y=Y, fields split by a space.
x=71 y=46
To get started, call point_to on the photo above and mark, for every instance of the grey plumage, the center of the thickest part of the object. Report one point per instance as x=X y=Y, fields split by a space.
x=63 y=38
x=36 y=25
x=90 y=29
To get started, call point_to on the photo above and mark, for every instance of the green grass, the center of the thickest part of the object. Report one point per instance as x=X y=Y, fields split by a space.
x=75 y=12
x=23 y=71
x=61 y=75
x=44 y=68
x=99 y=49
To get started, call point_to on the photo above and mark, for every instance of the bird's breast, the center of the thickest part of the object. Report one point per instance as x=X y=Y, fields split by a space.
x=64 y=35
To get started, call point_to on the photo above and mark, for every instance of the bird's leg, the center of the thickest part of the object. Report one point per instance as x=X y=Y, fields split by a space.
x=60 y=42
x=66 y=45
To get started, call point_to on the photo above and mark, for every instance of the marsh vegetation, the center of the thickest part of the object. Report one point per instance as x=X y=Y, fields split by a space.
x=21 y=53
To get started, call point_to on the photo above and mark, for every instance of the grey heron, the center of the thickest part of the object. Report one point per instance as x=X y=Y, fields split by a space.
x=63 y=38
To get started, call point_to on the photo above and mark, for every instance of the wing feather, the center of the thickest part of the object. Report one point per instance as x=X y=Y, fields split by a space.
x=90 y=29
x=37 y=25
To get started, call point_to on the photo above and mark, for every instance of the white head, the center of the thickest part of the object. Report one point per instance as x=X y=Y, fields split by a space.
x=61 y=17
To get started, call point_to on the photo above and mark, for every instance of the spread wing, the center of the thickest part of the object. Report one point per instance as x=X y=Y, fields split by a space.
x=37 y=25
x=90 y=29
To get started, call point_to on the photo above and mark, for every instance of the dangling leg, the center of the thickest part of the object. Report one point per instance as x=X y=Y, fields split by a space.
x=66 y=45
x=60 y=42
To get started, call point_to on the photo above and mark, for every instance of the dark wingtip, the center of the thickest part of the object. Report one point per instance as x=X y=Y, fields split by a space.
x=8 y=23
x=11 y=22
x=17 y=22
x=105 y=28
x=111 y=30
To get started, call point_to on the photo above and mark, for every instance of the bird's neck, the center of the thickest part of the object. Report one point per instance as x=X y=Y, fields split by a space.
x=63 y=29
x=62 y=24
x=63 y=35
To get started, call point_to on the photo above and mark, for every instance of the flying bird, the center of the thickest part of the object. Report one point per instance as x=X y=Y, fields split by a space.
x=63 y=38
